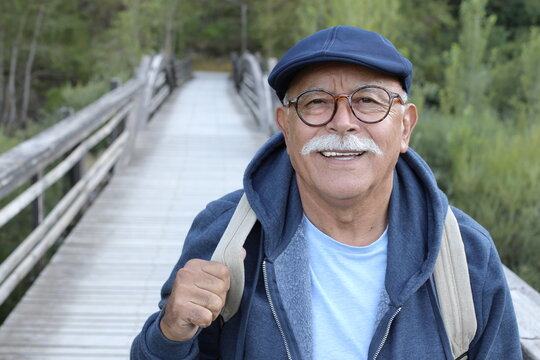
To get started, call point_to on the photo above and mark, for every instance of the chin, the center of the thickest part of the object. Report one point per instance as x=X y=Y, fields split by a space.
x=345 y=192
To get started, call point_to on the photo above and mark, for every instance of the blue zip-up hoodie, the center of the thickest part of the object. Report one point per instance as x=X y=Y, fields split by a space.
x=274 y=320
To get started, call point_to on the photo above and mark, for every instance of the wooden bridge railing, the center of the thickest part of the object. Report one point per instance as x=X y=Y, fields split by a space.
x=251 y=83
x=108 y=127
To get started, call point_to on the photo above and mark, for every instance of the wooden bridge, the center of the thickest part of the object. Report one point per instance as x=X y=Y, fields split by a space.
x=142 y=161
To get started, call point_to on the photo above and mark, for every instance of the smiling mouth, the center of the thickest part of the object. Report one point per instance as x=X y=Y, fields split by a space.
x=341 y=155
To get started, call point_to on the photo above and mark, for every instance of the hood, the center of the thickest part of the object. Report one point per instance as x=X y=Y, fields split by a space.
x=416 y=217
x=416 y=213
x=270 y=186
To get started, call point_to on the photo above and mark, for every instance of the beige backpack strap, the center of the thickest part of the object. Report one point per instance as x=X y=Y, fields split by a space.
x=454 y=292
x=229 y=252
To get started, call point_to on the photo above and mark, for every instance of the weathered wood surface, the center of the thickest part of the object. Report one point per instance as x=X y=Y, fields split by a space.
x=252 y=84
x=94 y=296
x=527 y=306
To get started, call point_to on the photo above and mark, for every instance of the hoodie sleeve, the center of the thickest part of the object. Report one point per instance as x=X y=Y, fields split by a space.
x=201 y=240
x=497 y=335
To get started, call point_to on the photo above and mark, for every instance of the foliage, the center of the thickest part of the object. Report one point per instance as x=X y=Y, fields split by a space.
x=489 y=168
x=137 y=29
x=375 y=15
x=466 y=76
x=9 y=141
x=211 y=27
x=80 y=42
x=273 y=17
x=515 y=16
x=76 y=96
x=529 y=106
x=482 y=140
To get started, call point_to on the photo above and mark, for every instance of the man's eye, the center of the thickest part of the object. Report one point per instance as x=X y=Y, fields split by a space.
x=317 y=101
x=366 y=100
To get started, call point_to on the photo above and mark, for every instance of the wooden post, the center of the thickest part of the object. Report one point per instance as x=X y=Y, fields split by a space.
x=76 y=173
x=114 y=84
x=171 y=74
x=37 y=218
x=37 y=204
x=138 y=111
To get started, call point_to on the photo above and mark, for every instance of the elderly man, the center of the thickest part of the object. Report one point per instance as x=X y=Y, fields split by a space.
x=340 y=262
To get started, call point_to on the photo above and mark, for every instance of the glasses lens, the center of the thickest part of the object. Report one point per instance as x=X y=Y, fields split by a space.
x=370 y=104
x=315 y=107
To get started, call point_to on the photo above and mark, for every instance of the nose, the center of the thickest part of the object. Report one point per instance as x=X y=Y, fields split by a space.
x=344 y=120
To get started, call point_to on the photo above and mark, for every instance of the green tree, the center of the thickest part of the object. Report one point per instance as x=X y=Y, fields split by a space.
x=515 y=16
x=375 y=15
x=425 y=31
x=212 y=27
x=530 y=77
x=467 y=76
x=272 y=26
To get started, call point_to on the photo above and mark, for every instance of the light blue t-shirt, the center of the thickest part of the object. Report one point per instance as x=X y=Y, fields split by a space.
x=347 y=283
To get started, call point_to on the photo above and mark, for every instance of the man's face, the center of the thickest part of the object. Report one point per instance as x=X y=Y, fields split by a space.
x=337 y=178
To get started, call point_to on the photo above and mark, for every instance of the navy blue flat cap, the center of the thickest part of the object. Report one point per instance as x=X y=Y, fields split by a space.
x=342 y=44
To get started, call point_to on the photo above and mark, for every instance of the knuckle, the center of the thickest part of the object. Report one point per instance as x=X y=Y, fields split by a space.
x=191 y=270
x=183 y=288
x=201 y=317
x=222 y=287
x=183 y=273
x=206 y=301
x=215 y=304
x=223 y=272
x=193 y=262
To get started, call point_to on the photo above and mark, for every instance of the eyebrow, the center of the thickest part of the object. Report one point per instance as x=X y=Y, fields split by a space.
x=323 y=89
x=304 y=90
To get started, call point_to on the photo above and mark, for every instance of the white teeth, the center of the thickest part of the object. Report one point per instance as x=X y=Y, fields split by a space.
x=341 y=154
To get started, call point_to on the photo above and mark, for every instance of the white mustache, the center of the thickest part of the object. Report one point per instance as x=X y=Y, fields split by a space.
x=335 y=142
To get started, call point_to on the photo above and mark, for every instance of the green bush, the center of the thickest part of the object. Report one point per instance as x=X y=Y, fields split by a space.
x=490 y=169
x=68 y=97
x=32 y=128
x=530 y=77
x=7 y=142
x=76 y=96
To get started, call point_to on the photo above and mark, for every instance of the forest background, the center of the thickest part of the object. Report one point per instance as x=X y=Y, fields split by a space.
x=476 y=81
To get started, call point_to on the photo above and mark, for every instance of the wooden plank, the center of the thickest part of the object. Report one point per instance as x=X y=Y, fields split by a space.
x=96 y=293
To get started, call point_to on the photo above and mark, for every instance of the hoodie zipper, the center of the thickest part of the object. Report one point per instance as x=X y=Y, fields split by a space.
x=385 y=337
x=274 y=313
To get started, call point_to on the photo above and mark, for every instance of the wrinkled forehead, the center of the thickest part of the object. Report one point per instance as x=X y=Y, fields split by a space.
x=339 y=77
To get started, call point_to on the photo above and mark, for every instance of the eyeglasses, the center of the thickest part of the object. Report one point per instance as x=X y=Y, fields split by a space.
x=369 y=104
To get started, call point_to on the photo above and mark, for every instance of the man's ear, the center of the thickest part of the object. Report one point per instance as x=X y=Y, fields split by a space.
x=282 y=120
x=410 y=117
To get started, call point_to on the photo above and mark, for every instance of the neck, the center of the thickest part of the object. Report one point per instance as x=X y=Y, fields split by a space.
x=356 y=222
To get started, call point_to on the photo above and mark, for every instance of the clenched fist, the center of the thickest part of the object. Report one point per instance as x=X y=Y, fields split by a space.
x=197 y=297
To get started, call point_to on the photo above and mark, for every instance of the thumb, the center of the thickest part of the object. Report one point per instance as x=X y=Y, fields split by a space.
x=244 y=254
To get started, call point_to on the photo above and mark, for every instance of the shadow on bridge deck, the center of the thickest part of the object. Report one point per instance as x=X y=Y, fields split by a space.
x=94 y=296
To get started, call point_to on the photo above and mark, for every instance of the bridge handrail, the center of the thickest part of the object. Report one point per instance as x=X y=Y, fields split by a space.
x=252 y=85
x=116 y=116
